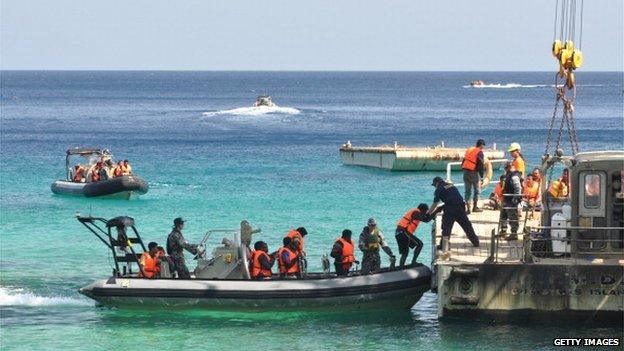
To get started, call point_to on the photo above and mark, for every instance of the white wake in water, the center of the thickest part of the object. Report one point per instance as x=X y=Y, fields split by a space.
x=506 y=86
x=254 y=111
x=20 y=297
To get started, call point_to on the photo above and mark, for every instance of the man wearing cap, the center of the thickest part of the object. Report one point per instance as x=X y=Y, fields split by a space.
x=454 y=211
x=176 y=244
x=512 y=195
x=472 y=166
x=371 y=240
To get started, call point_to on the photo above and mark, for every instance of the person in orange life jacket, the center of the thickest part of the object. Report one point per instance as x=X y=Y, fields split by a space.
x=472 y=165
x=406 y=229
x=496 y=197
x=261 y=262
x=79 y=174
x=95 y=172
x=150 y=261
x=343 y=253
x=297 y=236
x=287 y=259
x=518 y=159
x=118 y=171
x=127 y=169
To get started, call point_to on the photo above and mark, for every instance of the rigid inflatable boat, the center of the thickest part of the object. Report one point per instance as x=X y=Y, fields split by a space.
x=124 y=186
x=121 y=187
x=222 y=282
x=264 y=100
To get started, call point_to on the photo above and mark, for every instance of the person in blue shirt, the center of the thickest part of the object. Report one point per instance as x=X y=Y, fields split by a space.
x=454 y=210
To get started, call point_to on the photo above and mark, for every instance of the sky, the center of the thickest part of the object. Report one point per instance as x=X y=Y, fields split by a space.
x=353 y=35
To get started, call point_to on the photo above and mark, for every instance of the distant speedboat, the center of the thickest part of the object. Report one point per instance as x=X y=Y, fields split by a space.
x=78 y=180
x=264 y=100
x=477 y=83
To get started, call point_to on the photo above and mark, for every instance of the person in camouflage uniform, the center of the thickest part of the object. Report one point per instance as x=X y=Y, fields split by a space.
x=176 y=244
x=371 y=240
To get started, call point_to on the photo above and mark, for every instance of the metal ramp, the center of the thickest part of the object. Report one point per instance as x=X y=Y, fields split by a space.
x=125 y=244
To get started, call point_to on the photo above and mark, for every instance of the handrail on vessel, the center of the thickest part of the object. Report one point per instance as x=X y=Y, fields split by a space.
x=457 y=163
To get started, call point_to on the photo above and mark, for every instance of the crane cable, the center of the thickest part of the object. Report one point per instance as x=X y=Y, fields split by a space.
x=569 y=59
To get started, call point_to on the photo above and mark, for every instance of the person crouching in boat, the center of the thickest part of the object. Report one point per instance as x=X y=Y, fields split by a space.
x=406 y=229
x=297 y=236
x=288 y=259
x=343 y=253
x=95 y=172
x=176 y=244
x=261 y=262
x=127 y=169
x=79 y=174
x=371 y=240
x=150 y=262
x=118 y=171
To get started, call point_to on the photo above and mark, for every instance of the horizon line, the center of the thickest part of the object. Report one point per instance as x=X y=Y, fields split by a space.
x=295 y=70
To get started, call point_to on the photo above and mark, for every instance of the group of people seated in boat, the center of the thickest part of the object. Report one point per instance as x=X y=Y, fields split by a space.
x=102 y=170
x=290 y=256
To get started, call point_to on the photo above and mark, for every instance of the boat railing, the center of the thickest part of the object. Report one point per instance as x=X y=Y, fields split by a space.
x=536 y=245
x=449 y=166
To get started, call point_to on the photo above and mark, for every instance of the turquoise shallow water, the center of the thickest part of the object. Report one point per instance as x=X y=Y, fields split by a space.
x=279 y=170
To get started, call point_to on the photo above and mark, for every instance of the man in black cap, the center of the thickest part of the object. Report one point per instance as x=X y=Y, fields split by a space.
x=454 y=211
x=176 y=244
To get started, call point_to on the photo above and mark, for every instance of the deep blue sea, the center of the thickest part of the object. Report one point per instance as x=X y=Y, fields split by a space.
x=209 y=158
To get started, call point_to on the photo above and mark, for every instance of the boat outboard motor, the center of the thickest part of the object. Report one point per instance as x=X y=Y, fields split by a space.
x=325 y=263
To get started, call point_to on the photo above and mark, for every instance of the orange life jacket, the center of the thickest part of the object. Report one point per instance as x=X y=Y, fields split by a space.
x=150 y=265
x=256 y=268
x=407 y=223
x=118 y=172
x=518 y=163
x=295 y=234
x=78 y=175
x=95 y=175
x=347 y=253
x=498 y=192
x=282 y=265
x=531 y=191
x=470 y=159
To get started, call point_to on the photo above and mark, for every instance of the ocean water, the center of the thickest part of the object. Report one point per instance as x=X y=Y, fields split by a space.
x=209 y=158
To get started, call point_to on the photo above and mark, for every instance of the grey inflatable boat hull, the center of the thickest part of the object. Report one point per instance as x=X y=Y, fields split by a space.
x=397 y=289
x=121 y=187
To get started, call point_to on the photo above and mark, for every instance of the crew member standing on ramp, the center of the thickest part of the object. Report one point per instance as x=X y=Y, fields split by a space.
x=454 y=211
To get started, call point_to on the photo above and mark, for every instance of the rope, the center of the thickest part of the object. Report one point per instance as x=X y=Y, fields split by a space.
x=581 y=34
x=555 y=22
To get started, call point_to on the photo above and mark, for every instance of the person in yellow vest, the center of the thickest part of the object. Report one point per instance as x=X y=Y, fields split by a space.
x=371 y=240
x=343 y=253
x=518 y=159
x=473 y=166
x=560 y=188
